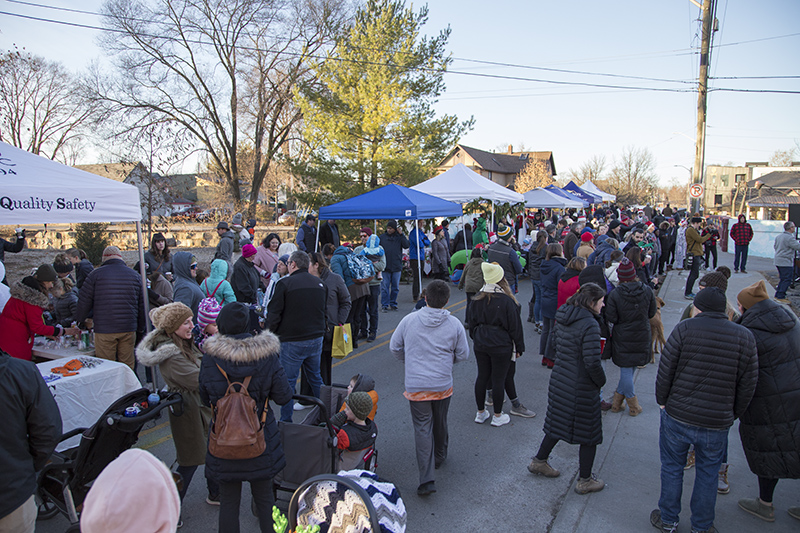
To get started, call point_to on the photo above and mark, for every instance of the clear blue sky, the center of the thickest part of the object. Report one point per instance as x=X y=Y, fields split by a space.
x=654 y=39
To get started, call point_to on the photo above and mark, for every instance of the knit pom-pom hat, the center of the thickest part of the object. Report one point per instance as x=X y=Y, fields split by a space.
x=170 y=317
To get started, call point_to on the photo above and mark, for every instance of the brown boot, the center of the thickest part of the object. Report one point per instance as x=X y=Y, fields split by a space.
x=616 y=403
x=633 y=406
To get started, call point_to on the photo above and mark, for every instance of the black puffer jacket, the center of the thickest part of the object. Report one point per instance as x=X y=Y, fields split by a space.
x=630 y=307
x=114 y=292
x=241 y=356
x=495 y=324
x=393 y=247
x=708 y=371
x=82 y=270
x=573 y=398
x=770 y=428
x=551 y=271
x=245 y=281
x=535 y=262
x=66 y=308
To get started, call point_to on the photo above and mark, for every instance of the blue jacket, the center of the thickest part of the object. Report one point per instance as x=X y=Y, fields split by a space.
x=551 y=271
x=393 y=245
x=601 y=254
x=114 y=292
x=412 y=239
x=339 y=264
x=186 y=290
x=306 y=237
x=219 y=273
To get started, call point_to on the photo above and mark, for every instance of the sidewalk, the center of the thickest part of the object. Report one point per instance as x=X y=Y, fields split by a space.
x=628 y=460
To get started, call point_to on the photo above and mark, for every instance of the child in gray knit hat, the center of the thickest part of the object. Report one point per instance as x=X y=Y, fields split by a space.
x=355 y=430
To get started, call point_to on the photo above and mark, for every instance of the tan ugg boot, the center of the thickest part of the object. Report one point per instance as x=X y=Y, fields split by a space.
x=616 y=403
x=634 y=408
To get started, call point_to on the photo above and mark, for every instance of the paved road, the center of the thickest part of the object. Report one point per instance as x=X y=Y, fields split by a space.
x=484 y=485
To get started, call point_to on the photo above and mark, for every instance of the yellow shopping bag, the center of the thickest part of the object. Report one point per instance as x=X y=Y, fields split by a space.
x=342 y=341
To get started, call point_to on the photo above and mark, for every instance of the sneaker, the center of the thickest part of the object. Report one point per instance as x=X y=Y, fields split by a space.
x=783 y=300
x=757 y=508
x=426 y=489
x=212 y=500
x=735 y=270
x=689 y=460
x=744 y=271
x=522 y=411
x=590 y=484
x=689 y=296
x=501 y=420
x=794 y=512
x=300 y=407
x=362 y=335
x=542 y=468
x=604 y=405
x=723 y=487
x=180 y=524
x=371 y=337
x=655 y=520
x=482 y=417
x=712 y=529
x=394 y=308
x=384 y=309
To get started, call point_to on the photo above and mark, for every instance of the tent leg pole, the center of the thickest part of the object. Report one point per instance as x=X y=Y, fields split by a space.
x=143 y=274
x=316 y=240
x=492 y=227
x=419 y=257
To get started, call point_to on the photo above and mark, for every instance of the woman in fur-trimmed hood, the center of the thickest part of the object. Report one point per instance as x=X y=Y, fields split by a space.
x=170 y=347
x=240 y=355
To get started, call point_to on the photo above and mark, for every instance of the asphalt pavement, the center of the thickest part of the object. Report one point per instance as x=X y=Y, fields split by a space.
x=484 y=485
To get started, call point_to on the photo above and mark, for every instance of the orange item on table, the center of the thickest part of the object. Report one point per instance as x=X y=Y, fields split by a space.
x=69 y=369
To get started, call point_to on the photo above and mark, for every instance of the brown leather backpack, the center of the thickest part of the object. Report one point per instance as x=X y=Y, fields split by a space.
x=236 y=432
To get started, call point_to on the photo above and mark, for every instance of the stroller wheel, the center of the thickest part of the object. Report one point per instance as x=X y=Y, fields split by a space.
x=45 y=509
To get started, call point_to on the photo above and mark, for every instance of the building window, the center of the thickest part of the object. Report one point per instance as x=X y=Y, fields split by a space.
x=717 y=199
x=740 y=178
x=725 y=180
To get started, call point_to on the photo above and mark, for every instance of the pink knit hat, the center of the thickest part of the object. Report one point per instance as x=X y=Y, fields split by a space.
x=248 y=250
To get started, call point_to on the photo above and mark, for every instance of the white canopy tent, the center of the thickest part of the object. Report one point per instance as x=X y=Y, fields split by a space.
x=540 y=197
x=36 y=190
x=591 y=188
x=461 y=184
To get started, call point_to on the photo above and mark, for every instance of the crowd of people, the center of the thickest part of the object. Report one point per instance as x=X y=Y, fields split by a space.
x=267 y=315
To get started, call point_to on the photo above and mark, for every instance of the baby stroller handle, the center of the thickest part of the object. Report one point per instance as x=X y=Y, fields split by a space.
x=323 y=409
x=123 y=422
x=71 y=433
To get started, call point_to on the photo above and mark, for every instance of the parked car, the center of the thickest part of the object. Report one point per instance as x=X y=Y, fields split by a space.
x=288 y=218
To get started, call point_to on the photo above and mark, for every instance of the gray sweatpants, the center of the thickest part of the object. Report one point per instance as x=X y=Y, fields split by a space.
x=430 y=435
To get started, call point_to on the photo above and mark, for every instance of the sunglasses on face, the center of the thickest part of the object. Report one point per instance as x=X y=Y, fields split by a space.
x=194 y=266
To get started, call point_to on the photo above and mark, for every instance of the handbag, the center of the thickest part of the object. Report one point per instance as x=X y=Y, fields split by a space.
x=342 y=343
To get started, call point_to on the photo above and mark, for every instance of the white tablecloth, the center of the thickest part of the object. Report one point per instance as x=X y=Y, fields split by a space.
x=83 y=398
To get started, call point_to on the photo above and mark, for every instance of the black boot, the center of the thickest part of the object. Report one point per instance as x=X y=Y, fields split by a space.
x=530 y=311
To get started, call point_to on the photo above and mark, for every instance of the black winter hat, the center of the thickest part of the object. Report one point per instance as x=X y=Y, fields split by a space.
x=392 y=224
x=614 y=224
x=234 y=319
x=63 y=268
x=593 y=274
x=711 y=299
x=46 y=273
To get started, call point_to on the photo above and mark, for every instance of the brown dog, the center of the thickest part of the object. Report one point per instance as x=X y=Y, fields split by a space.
x=657 y=331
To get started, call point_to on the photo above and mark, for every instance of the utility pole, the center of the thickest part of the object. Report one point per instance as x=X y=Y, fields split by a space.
x=702 y=91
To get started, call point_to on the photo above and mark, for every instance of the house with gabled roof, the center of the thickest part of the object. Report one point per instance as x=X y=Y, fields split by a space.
x=152 y=189
x=501 y=168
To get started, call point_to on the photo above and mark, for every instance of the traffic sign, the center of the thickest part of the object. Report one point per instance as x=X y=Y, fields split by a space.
x=696 y=190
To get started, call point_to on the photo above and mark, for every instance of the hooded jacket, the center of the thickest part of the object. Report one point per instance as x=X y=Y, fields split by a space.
x=82 y=269
x=741 y=232
x=224 y=247
x=429 y=341
x=414 y=236
x=630 y=307
x=551 y=273
x=568 y=284
x=378 y=259
x=21 y=319
x=31 y=430
x=245 y=281
x=479 y=235
x=241 y=356
x=694 y=242
x=573 y=397
x=785 y=246
x=495 y=324
x=219 y=274
x=186 y=289
x=770 y=427
x=66 y=308
x=113 y=293
x=190 y=430
x=601 y=254
x=502 y=253
x=708 y=371
x=472 y=278
x=393 y=245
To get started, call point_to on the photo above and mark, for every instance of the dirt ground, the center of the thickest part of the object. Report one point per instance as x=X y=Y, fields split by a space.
x=21 y=264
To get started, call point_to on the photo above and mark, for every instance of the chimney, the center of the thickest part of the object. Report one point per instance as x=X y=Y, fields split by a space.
x=510 y=148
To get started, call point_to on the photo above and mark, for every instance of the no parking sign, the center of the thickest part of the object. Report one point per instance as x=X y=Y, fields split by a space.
x=696 y=190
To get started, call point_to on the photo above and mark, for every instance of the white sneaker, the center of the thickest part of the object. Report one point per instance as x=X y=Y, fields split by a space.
x=299 y=406
x=482 y=417
x=501 y=420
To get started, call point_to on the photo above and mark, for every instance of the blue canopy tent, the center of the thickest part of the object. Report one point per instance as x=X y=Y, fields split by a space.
x=390 y=201
x=565 y=194
x=577 y=191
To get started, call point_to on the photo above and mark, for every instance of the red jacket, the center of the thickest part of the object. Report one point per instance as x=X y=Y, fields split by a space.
x=741 y=232
x=21 y=319
x=569 y=287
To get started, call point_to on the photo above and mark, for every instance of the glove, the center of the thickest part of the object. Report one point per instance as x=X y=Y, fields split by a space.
x=339 y=419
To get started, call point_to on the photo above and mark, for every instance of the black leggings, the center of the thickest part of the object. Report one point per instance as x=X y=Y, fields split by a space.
x=586 y=455
x=546 y=346
x=510 y=386
x=230 y=497
x=766 y=487
x=492 y=369
x=711 y=250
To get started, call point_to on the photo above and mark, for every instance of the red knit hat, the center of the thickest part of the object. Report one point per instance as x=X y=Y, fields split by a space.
x=366 y=230
x=586 y=237
x=626 y=271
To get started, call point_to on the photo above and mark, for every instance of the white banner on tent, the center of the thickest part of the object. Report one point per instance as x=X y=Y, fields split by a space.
x=34 y=189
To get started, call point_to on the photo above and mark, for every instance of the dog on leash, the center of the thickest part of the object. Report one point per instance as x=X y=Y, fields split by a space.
x=657 y=331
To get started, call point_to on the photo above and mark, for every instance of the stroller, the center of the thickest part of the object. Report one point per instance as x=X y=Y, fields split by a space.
x=64 y=482
x=310 y=446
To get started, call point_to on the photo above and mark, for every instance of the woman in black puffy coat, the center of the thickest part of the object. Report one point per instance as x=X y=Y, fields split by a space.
x=629 y=308
x=573 y=398
x=770 y=428
x=553 y=266
x=240 y=355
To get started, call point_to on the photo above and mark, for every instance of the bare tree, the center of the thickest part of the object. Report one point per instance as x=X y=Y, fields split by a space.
x=633 y=177
x=40 y=109
x=536 y=173
x=224 y=70
x=783 y=158
x=592 y=170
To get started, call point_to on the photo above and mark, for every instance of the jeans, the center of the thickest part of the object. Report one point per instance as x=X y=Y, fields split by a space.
x=371 y=311
x=230 y=497
x=709 y=447
x=625 y=386
x=296 y=355
x=390 y=286
x=537 y=300
x=786 y=274
x=740 y=256
x=711 y=250
x=546 y=347
x=694 y=273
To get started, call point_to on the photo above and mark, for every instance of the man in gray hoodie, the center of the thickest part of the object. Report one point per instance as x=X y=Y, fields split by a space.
x=429 y=342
